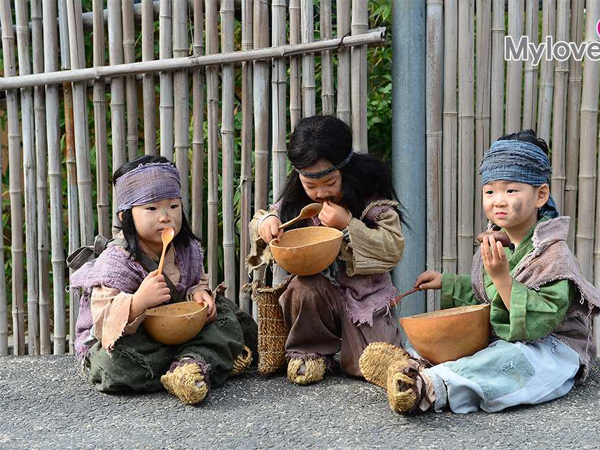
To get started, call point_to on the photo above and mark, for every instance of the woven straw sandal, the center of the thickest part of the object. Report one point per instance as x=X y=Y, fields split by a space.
x=376 y=359
x=306 y=371
x=403 y=394
x=242 y=362
x=187 y=380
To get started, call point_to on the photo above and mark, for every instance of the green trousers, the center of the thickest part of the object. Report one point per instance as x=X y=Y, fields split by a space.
x=137 y=361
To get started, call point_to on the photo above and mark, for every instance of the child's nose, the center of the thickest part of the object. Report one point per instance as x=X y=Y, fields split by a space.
x=165 y=216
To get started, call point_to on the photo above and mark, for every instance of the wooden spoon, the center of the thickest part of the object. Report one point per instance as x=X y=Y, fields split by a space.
x=307 y=212
x=397 y=299
x=167 y=236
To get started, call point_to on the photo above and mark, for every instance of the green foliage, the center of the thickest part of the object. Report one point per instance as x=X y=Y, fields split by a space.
x=379 y=116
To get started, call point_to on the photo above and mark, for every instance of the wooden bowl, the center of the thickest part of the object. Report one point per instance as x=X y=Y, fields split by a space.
x=307 y=251
x=175 y=323
x=449 y=334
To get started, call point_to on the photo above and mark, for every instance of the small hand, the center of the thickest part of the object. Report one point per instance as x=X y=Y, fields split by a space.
x=152 y=292
x=203 y=297
x=334 y=216
x=494 y=258
x=269 y=229
x=429 y=280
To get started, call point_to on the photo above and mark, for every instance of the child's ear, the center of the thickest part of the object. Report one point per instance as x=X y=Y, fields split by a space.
x=543 y=194
x=120 y=215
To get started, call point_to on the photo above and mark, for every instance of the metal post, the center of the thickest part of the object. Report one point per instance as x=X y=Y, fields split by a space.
x=408 y=142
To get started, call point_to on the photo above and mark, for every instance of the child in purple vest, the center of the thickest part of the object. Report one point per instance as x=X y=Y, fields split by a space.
x=122 y=283
x=345 y=307
x=541 y=307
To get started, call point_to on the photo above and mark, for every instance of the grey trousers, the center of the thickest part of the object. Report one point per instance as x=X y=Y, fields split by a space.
x=315 y=315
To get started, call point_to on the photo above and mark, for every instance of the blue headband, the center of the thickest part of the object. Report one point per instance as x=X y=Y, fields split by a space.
x=519 y=161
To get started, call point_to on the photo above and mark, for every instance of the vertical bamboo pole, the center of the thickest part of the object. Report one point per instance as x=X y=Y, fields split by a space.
x=181 y=99
x=434 y=80
x=73 y=203
x=450 y=139
x=212 y=95
x=295 y=92
x=343 y=68
x=308 y=60
x=574 y=96
x=15 y=192
x=3 y=296
x=102 y=176
x=29 y=167
x=497 y=75
x=73 y=234
x=482 y=107
x=198 y=77
x=358 y=56
x=246 y=170
x=278 y=108
x=148 y=78
x=587 y=144
x=49 y=13
x=261 y=108
x=546 y=73
x=587 y=162
x=530 y=71
x=41 y=149
x=278 y=99
x=166 y=80
x=227 y=136
x=84 y=180
x=327 y=99
x=131 y=84
x=514 y=71
x=117 y=94
x=466 y=130
x=561 y=73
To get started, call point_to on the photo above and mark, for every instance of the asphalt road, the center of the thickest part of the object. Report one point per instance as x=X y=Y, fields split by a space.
x=45 y=404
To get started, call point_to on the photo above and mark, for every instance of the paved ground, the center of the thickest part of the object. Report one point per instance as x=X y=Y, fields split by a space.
x=45 y=404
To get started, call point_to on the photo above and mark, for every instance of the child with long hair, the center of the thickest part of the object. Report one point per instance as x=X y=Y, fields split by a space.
x=541 y=306
x=122 y=283
x=346 y=307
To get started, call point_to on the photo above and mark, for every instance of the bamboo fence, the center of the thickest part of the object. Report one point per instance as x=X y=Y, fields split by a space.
x=236 y=135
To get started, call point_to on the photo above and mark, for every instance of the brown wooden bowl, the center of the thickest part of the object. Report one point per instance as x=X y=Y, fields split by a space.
x=175 y=323
x=449 y=334
x=307 y=251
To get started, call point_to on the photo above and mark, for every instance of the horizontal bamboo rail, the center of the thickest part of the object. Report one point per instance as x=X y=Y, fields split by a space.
x=375 y=37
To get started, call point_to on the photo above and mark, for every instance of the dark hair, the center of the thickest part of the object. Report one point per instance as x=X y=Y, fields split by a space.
x=185 y=235
x=526 y=136
x=364 y=179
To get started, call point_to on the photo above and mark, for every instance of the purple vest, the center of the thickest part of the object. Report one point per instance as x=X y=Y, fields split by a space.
x=115 y=268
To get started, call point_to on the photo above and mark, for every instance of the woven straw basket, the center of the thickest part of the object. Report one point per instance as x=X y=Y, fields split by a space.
x=272 y=332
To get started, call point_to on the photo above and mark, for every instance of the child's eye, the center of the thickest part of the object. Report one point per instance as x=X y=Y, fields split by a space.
x=510 y=191
x=174 y=206
x=489 y=192
x=151 y=208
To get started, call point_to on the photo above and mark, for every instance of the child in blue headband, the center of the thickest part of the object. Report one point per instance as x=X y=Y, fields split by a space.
x=541 y=305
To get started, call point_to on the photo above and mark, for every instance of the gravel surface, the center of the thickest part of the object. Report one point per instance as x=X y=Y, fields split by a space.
x=46 y=404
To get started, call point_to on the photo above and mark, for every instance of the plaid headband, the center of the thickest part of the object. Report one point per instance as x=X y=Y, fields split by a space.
x=519 y=161
x=325 y=172
x=147 y=183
